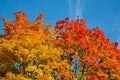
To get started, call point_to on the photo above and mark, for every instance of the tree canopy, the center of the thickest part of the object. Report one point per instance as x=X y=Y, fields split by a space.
x=32 y=50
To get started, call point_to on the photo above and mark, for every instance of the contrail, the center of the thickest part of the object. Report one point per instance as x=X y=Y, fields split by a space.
x=75 y=8
x=78 y=8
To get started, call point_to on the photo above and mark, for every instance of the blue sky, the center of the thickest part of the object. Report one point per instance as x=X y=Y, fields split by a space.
x=102 y=13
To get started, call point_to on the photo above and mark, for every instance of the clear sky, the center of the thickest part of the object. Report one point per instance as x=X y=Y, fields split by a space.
x=102 y=13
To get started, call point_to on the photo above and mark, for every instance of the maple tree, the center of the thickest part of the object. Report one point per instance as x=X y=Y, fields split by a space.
x=27 y=51
x=32 y=50
x=95 y=58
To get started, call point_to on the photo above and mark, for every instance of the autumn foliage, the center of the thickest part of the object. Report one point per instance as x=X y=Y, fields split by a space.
x=32 y=50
